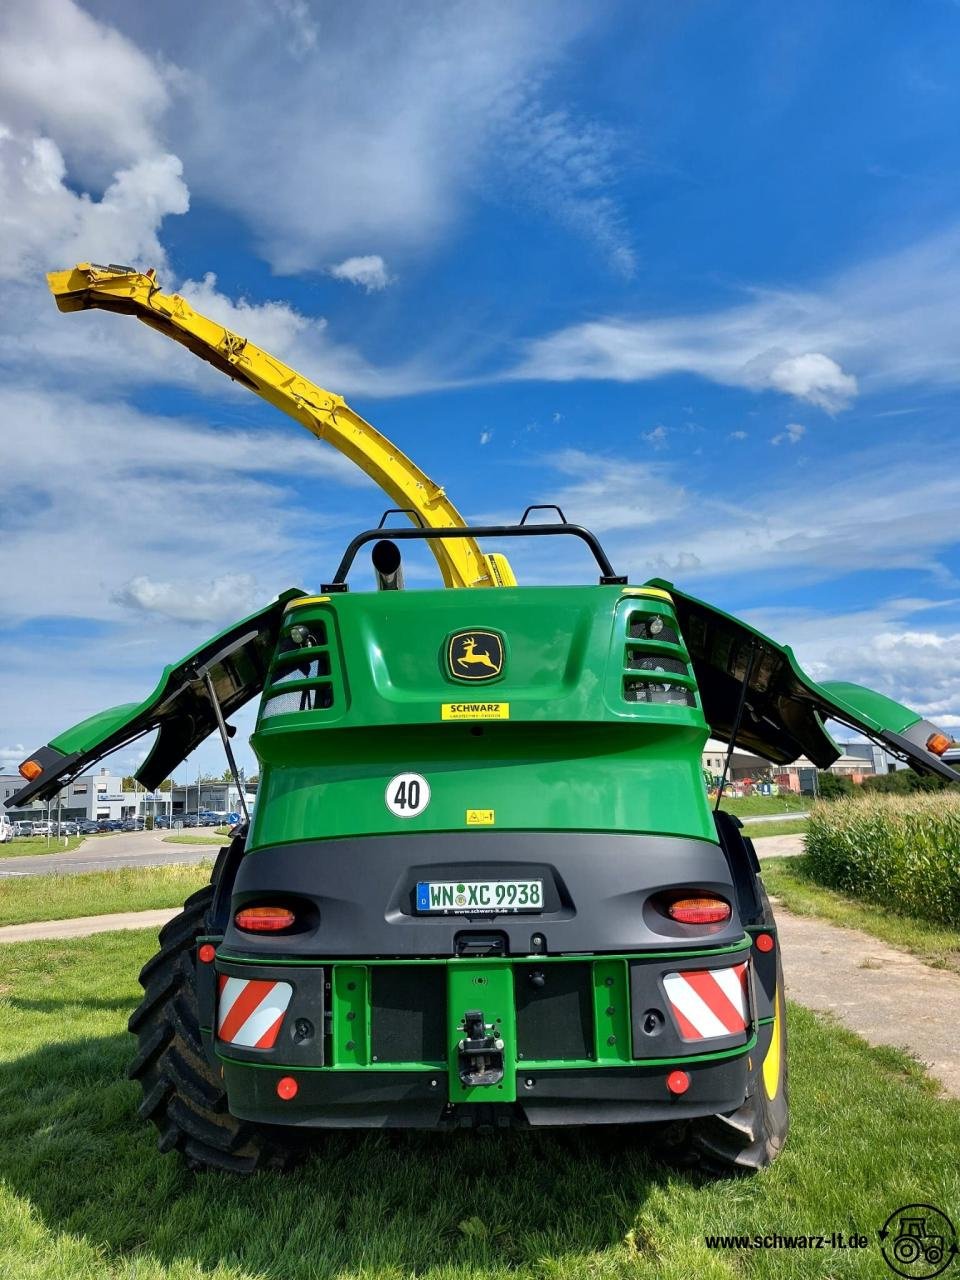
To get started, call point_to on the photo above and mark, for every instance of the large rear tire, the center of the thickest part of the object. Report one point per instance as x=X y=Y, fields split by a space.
x=752 y=1137
x=182 y=1094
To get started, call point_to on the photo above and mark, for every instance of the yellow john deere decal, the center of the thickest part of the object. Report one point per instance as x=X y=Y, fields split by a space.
x=480 y=817
x=475 y=711
x=475 y=655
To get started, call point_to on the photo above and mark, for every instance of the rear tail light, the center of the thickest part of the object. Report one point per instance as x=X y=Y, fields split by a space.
x=936 y=743
x=700 y=910
x=264 y=919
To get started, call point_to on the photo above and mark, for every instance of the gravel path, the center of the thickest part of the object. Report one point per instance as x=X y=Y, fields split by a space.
x=885 y=995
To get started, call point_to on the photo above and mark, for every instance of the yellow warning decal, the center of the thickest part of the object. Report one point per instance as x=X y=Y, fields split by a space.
x=475 y=711
x=480 y=817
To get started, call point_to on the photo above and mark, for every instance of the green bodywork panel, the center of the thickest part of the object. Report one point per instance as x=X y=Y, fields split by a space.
x=574 y=754
x=178 y=708
x=581 y=742
x=873 y=709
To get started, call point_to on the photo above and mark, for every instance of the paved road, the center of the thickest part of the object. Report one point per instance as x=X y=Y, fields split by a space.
x=787 y=816
x=146 y=849
x=106 y=853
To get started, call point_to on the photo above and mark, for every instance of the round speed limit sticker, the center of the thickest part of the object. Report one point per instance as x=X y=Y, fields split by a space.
x=407 y=795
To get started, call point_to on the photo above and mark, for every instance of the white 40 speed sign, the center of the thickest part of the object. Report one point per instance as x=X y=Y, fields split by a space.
x=407 y=795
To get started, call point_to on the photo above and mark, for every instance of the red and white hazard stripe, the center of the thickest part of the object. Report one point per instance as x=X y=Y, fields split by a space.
x=706 y=1003
x=250 y=1011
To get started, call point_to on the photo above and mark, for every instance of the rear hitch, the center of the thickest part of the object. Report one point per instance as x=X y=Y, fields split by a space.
x=480 y=1053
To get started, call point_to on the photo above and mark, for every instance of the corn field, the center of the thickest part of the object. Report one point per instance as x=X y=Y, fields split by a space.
x=902 y=852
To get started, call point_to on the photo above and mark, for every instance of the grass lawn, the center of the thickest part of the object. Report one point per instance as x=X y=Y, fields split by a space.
x=193 y=840
x=84 y=1195
x=40 y=844
x=94 y=893
x=756 y=806
x=936 y=944
x=789 y=827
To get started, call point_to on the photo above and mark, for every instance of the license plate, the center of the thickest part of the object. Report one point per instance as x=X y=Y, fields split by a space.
x=480 y=895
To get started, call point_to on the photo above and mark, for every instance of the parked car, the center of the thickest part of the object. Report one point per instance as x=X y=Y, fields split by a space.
x=87 y=827
x=209 y=820
x=68 y=827
x=162 y=822
x=132 y=824
x=109 y=824
x=190 y=819
x=22 y=829
x=6 y=829
x=41 y=828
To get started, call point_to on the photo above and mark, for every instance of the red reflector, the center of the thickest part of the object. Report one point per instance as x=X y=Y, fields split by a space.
x=937 y=743
x=207 y=953
x=287 y=1088
x=699 y=910
x=264 y=919
x=678 y=1082
x=30 y=770
x=764 y=942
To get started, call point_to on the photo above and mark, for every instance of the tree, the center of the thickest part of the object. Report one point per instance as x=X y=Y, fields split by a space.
x=903 y=782
x=832 y=785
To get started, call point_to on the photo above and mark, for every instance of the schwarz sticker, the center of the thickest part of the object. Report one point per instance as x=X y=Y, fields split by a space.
x=475 y=711
x=407 y=795
x=475 y=655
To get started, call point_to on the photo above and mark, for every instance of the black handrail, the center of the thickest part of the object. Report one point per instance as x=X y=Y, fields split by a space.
x=607 y=575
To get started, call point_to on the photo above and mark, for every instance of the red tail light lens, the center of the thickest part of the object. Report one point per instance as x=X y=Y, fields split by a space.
x=703 y=910
x=264 y=919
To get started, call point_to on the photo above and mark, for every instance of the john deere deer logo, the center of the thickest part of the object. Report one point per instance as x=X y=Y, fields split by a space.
x=475 y=655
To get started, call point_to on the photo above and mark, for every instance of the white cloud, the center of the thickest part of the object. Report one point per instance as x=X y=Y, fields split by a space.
x=63 y=74
x=879 y=647
x=889 y=321
x=103 y=495
x=900 y=515
x=368 y=271
x=45 y=221
x=657 y=437
x=569 y=169
x=380 y=130
x=486 y=436
x=792 y=433
x=814 y=377
x=737 y=435
x=223 y=599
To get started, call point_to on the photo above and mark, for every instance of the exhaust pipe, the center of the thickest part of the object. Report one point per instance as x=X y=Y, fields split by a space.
x=386 y=565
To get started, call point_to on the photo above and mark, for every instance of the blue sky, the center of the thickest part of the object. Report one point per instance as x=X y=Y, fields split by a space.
x=690 y=270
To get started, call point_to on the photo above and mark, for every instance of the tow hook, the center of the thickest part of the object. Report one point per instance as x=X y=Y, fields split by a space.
x=480 y=1055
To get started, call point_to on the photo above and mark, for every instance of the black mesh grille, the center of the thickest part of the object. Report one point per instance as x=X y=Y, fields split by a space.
x=654 y=691
x=308 y=669
x=555 y=1015
x=409 y=1013
x=643 y=626
x=319 y=698
x=640 y=661
x=309 y=634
